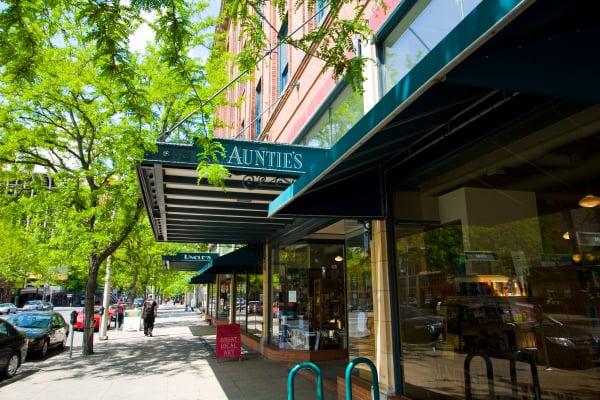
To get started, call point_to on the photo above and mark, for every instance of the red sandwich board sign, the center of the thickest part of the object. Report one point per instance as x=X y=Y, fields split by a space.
x=229 y=343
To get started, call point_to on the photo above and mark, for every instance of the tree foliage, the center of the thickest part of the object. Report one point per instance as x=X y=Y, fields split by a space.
x=332 y=41
x=85 y=115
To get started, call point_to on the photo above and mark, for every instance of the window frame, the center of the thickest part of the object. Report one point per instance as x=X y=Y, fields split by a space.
x=283 y=59
x=258 y=109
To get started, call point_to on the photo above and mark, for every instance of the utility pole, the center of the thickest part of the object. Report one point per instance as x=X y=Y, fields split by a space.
x=106 y=302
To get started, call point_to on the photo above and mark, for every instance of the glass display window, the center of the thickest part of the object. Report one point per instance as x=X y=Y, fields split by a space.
x=308 y=297
x=502 y=261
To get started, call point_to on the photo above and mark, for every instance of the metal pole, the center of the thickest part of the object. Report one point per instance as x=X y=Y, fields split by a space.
x=106 y=302
x=71 y=334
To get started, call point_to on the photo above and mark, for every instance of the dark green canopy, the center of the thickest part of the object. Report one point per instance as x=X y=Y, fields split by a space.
x=203 y=279
x=248 y=259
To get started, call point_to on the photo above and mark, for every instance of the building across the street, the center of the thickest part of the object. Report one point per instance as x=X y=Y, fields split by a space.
x=445 y=223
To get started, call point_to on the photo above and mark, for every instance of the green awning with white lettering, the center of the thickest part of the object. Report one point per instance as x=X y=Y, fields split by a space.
x=183 y=209
x=187 y=261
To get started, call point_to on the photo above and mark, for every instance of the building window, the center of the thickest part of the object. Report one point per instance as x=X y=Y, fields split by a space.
x=419 y=31
x=255 y=306
x=283 y=61
x=258 y=109
x=308 y=307
x=342 y=112
x=321 y=10
x=506 y=263
x=359 y=293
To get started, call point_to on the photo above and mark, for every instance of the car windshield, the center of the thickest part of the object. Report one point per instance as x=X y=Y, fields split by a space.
x=31 y=320
x=34 y=302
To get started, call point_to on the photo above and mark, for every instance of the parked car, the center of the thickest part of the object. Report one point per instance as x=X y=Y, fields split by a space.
x=44 y=329
x=33 y=305
x=113 y=311
x=13 y=349
x=79 y=323
x=138 y=302
x=568 y=347
x=47 y=306
x=418 y=326
x=8 y=308
x=255 y=307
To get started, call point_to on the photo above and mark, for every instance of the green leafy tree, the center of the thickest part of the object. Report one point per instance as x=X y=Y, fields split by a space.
x=87 y=126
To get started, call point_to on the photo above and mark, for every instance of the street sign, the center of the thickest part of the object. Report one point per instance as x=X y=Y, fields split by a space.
x=229 y=343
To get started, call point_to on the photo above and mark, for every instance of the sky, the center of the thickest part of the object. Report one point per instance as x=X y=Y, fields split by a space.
x=144 y=34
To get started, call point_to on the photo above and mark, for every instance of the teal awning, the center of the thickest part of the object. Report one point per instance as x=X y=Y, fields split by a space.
x=499 y=66
x=203 y=279
x=248 y=259
x=187 y=261
x=182 y=209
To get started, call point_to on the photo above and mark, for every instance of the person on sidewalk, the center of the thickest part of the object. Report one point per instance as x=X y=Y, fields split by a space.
x=149 y=311
x=120 y=313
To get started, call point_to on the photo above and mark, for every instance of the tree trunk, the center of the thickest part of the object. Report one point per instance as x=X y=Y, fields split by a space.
x=90 y=292
x=133 y=287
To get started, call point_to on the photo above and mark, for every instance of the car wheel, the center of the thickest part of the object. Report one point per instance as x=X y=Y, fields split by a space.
x=12 y=366
x=44 y=350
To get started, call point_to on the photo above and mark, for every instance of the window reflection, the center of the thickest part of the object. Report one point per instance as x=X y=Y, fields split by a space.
x=503 y=266
x=421 y=29
x=336 y=120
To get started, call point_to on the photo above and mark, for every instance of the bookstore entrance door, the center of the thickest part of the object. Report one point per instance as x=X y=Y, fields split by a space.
x=327 y=286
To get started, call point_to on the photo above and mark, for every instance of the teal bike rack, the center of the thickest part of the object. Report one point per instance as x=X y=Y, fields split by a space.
x=374 y=380
x=292 y=376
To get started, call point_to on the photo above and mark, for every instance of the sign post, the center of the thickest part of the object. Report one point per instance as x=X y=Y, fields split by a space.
x=229 y=343
x=72 y=322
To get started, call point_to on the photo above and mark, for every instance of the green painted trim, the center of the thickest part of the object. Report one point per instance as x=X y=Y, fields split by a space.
x=395 y=17
x=468 y=31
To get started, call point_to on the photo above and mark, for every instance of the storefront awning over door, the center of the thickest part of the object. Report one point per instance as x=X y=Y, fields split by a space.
x=504 y=60
x=248 y=259
x=181 y=209
x=203 y=279
x=187 y=261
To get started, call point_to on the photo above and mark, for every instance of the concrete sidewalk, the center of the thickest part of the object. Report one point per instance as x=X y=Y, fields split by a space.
x=177 y=363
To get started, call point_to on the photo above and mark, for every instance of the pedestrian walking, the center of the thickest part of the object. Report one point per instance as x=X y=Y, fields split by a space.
x=149 y=311
x=120 y=313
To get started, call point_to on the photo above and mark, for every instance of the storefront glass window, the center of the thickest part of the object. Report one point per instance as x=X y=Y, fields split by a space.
x=361 y=334
x=240 y=301
x=224 y=293
x=308 y=297
x=212 y=302
x=255 y=305
x=338 y=118
x=421 y=29
x=506 y=265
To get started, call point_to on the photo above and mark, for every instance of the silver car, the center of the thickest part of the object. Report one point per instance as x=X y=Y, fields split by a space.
x=33 y=305
x=8 y=308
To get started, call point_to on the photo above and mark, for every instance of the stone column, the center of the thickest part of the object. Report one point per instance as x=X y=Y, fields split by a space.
x=266 y=298
x=382 y=318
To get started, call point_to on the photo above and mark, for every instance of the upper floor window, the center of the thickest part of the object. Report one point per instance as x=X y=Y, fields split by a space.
x=283 y=61
x=321 y=9
x=336 y=119
x=258 y=109
x=419 y=31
